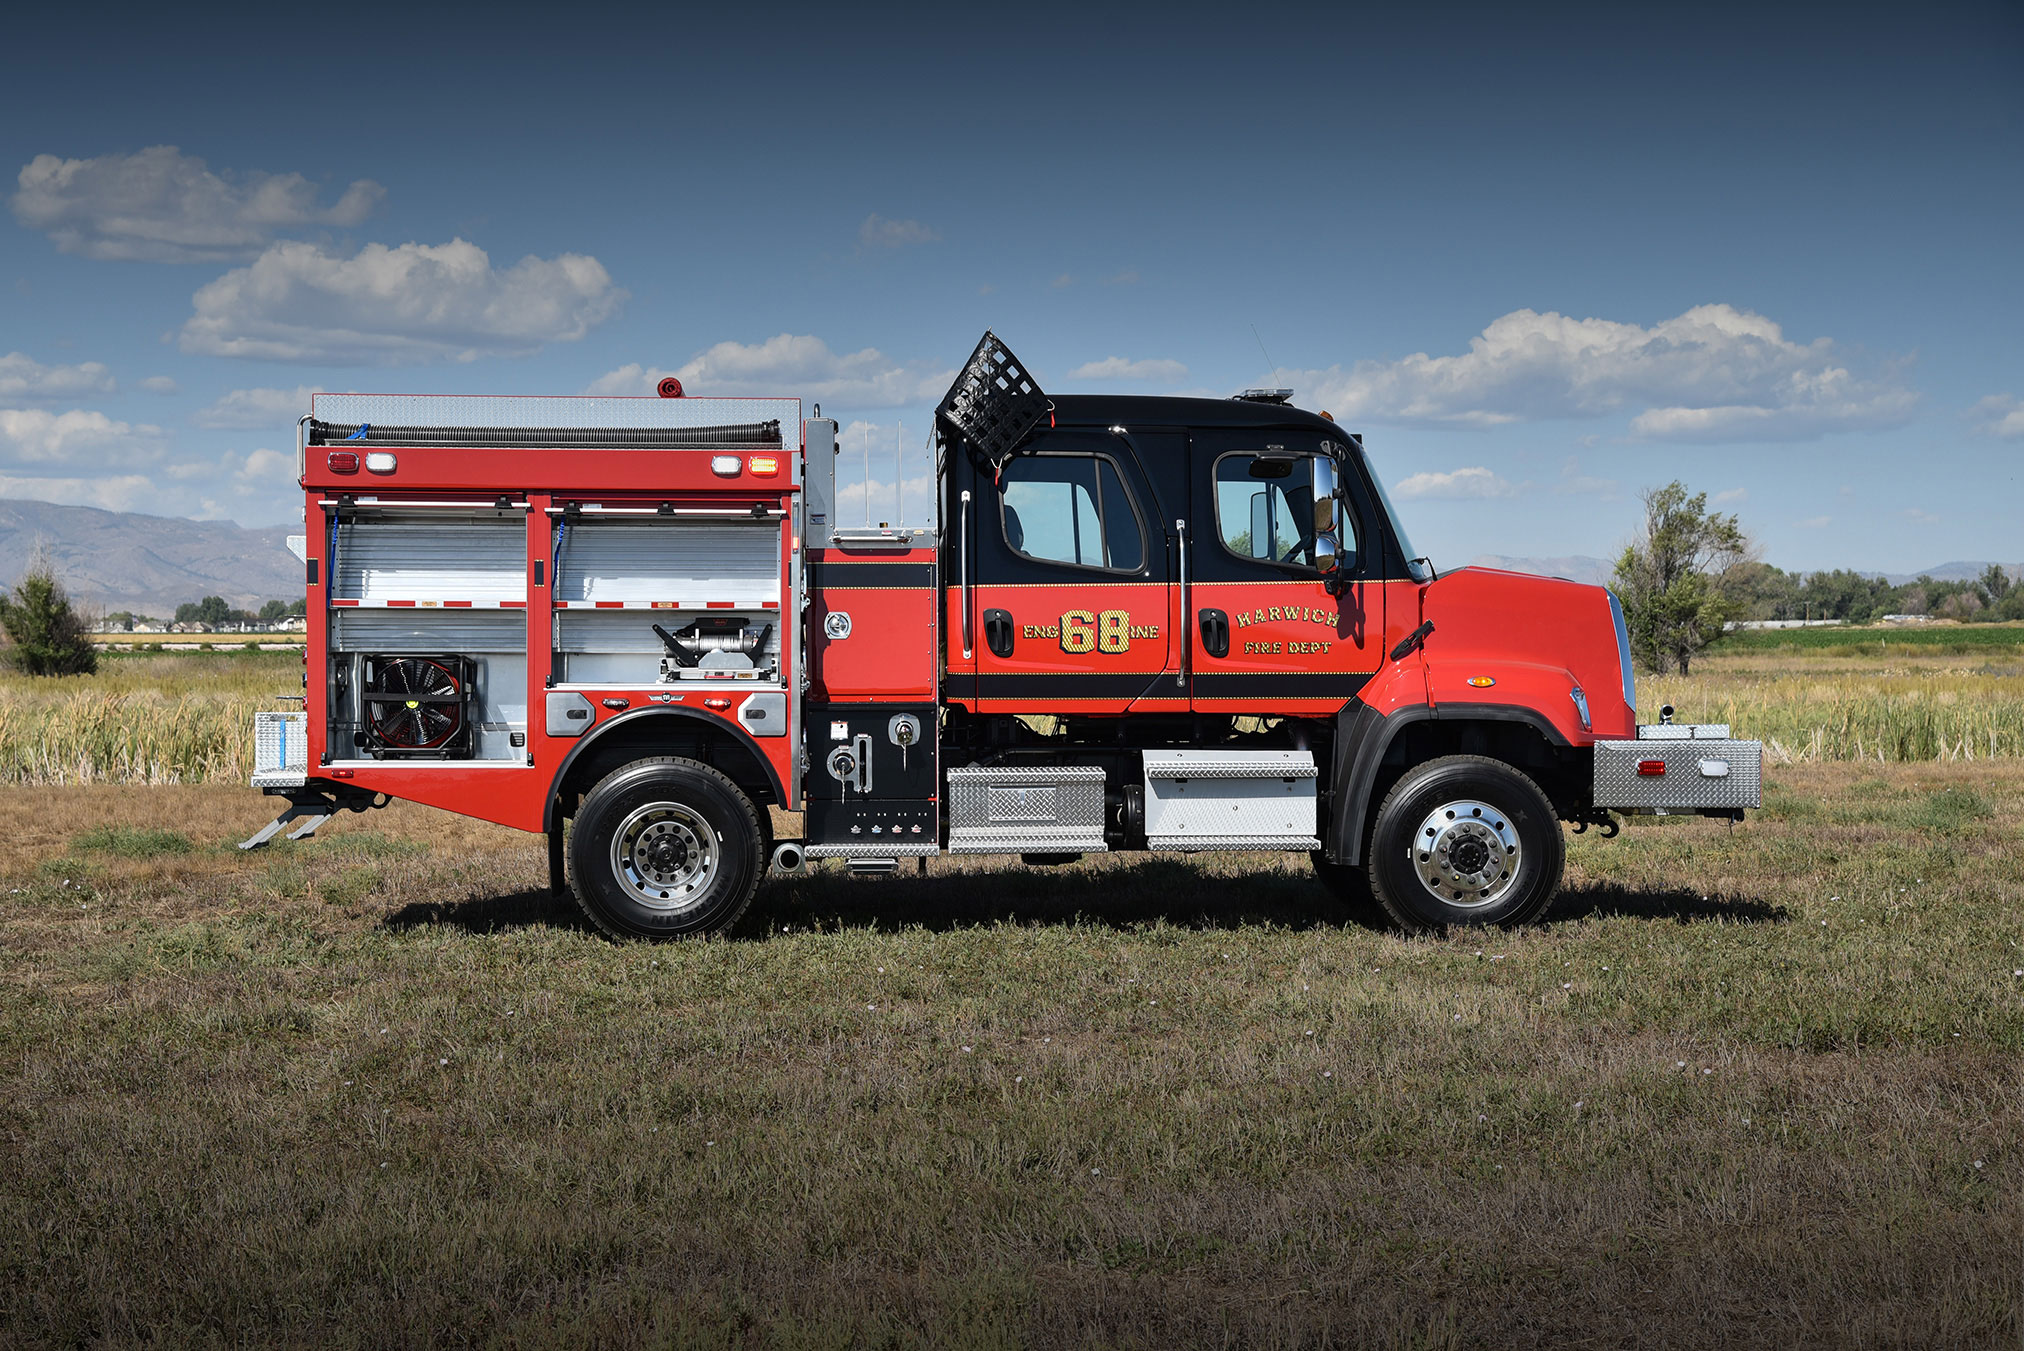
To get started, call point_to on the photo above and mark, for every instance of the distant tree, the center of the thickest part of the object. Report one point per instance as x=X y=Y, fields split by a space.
x=1995 y=583
x=273 y=610
x=49 y=636
x=210 y=610
x=1676 y=581
x=297 y=610
x=1965 y=604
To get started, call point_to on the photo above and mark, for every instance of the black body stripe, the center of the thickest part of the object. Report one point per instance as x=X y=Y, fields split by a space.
x=1278 y=685
x=882 y=575
x=1081 y=687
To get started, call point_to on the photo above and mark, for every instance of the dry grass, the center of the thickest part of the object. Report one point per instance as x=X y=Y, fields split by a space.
x=1748 y=1087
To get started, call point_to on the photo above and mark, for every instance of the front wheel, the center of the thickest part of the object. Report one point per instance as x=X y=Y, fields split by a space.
x=665 y=848
x=1465 y=840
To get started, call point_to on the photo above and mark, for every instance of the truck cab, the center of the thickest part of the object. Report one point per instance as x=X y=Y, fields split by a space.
x=636 y=625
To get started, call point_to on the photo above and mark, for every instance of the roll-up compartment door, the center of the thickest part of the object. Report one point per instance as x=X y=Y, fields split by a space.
x=448 y=559
x=429 y=631
x=676 y=563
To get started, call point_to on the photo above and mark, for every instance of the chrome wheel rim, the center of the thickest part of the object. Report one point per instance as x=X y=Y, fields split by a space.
x=1467 y=853
x=665 y=855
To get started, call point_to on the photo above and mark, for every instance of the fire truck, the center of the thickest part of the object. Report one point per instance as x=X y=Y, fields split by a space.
x=643 y=627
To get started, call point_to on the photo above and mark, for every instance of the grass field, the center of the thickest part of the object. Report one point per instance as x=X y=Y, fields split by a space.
x=1749 y=1086
x=1953 y=692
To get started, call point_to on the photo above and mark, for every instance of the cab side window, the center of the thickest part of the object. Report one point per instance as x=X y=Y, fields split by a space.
x=1268 y=509
x=1071 y=509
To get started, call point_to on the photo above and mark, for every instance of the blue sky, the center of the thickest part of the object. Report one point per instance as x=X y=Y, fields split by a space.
x=1542 y=259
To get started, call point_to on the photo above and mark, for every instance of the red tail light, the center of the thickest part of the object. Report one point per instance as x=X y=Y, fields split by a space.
x=341 y=462
x=1651 y=768
x=763 y=466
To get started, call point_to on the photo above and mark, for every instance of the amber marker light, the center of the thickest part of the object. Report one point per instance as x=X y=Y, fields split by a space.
x=763 y=466
x=1482 y=682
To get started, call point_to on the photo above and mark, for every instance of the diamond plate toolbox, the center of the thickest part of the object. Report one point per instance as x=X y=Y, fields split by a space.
x=280 y=750
x=1721 y=775
x=1229 y=800
x=995 y=810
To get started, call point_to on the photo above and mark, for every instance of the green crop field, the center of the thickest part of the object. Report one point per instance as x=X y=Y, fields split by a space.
x=1751 y=1085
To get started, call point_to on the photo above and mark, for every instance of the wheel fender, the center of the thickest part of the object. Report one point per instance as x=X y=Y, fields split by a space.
x=1364 y=734
x=636 y=723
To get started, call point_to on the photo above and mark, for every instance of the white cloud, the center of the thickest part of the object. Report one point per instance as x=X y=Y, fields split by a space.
x=1066 y=279
x=1572 y=480
x=24 y=379
x=414 y=302
x=160 y=384
x=1730 y=495
x=36 y=436
x=1474 y=481
x=268 y=408
x=1920 y=516
x=789 y=365
x=879 y=233
x=1714 y=373
x=1999 y=415
x=161 y=205
x=1128 y=277
x=1121 y=368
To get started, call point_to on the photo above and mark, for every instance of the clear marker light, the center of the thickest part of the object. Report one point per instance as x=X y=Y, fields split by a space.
x=725 y=466
x=379 y=461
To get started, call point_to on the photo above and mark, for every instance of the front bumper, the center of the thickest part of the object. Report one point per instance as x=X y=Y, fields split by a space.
x=1679 y=768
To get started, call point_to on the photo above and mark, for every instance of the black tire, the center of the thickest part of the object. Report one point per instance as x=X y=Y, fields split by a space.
x=692 y=854
x=1472 y=815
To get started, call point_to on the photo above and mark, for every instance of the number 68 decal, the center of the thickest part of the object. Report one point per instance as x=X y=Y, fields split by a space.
x=1108 y=631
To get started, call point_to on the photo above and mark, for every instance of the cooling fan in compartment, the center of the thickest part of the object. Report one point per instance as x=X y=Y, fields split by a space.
x=417 y=706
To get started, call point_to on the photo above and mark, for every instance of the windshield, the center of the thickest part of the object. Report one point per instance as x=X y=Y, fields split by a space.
x=1421 y=570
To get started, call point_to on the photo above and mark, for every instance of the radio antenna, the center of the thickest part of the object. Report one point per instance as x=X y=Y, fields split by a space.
x=899 y=470
x=1267 y=355
x=867 y=473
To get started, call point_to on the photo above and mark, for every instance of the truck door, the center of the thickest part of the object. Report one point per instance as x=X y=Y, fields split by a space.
x=1069 y=606
x=1266 y=636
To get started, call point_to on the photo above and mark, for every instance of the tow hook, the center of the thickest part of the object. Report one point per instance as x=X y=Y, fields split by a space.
x=1602 y=820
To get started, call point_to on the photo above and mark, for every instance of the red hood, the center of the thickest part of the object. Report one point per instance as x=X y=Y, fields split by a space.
x=1536 y=638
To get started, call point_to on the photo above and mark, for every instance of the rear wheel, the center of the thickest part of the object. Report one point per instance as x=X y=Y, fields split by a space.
x=665 y=848
x=1465 y=840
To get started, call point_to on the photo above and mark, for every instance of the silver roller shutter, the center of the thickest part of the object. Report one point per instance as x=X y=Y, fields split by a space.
x=457 y=631
x=682 y=561
x=450 y=559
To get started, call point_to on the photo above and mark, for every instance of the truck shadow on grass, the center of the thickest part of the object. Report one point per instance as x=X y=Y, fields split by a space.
x=1131 y=897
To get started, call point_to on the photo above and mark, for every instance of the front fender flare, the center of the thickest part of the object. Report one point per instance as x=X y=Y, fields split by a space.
x=1362 y=737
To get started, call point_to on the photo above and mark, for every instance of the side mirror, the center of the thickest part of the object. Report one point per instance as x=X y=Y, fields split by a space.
x=1325 y=547
x=1324 y=493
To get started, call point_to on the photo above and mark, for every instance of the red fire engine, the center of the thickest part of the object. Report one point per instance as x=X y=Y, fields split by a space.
x=634 y=625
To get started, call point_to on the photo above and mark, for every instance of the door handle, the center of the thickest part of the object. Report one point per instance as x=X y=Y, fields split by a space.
x=1215 y=633
x=998 y=632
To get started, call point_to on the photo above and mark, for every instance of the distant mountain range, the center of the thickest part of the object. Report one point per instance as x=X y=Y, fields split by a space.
x=1596 y=571
x=122 y=560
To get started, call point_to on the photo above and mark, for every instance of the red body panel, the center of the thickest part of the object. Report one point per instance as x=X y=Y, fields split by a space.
x=1538 y=638
x=892 y=651
x=1289 y=628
